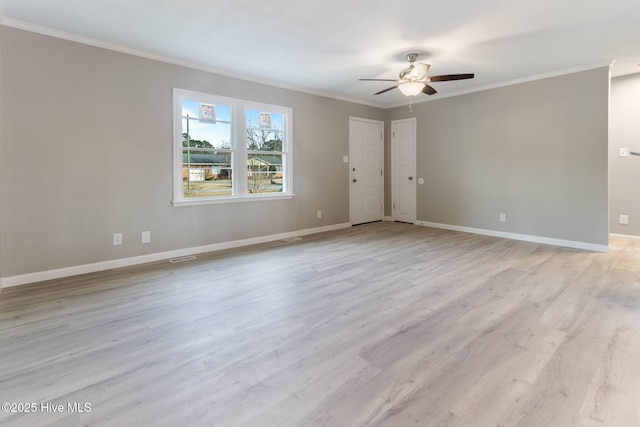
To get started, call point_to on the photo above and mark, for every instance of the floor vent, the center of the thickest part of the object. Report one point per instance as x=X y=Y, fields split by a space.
x=183 y=259
x=292 y=239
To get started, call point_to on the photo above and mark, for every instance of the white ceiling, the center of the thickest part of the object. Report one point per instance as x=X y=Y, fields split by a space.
x=324 y=46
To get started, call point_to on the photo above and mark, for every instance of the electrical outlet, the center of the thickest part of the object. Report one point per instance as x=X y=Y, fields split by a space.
x=624 y=152
x=145 y=237
x=503 y=217
x=624 y=219
x=117 y=239
x=319 y=214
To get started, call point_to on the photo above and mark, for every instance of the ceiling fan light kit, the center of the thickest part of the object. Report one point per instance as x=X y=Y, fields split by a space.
x=411 y=88
x=413 y=80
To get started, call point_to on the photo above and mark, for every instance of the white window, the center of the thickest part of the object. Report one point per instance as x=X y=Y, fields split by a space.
x=228 y=149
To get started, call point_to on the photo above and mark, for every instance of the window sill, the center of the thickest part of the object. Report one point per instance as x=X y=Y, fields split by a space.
x=223 y=200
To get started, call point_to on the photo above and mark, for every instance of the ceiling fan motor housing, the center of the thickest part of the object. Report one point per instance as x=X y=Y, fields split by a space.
x=415 y=72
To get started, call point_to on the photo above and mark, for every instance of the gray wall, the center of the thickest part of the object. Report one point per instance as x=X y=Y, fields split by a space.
x=536 y=151
x=87 y=151
x=624 y=173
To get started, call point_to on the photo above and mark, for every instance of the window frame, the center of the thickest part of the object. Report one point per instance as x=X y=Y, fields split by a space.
x=239 y=151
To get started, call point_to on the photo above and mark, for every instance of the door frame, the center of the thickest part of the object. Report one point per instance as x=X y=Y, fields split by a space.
x=380 y=156
x=394 y=169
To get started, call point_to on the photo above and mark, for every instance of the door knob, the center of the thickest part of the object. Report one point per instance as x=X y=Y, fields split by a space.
x=355 y=180
x=410 y=178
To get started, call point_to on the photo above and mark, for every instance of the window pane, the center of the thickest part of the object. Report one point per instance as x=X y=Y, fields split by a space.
x=264 y=130
x=264 y=173
x=206 y=173
x=206 y=125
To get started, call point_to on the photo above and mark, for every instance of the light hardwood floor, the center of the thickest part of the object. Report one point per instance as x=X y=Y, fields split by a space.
x=381 y=324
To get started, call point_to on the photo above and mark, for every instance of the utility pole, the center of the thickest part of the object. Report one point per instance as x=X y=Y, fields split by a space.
x=188 y=157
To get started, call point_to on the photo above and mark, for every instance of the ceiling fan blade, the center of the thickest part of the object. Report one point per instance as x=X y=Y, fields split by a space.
x=386 y=90
x=429 y=90
x=448 y=77
x=378 y=80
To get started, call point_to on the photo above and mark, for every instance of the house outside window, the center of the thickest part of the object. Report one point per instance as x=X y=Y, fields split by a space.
x=228 y=149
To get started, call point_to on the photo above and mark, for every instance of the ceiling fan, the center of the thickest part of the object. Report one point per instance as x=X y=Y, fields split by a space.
x=414 y=80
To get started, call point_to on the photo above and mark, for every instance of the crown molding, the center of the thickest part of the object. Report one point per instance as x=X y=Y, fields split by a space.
x=26 y=26
x=526 y=79
x=46 y=31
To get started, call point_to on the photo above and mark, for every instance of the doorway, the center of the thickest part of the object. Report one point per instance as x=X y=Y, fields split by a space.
x=403 y=170
x=365 y=170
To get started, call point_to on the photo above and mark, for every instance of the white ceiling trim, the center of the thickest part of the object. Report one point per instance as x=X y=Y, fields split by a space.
x=512 y=82
x=26 y=26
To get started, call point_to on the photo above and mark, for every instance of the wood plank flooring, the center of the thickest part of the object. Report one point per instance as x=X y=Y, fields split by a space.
x=383 y=324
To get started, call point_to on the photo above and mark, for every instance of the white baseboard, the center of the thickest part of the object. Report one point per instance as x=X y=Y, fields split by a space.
x=40 y=276
x=625 y=237
x=515 y=236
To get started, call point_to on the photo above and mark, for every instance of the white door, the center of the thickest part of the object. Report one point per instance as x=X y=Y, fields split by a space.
x=403 y=170
x=365 y=170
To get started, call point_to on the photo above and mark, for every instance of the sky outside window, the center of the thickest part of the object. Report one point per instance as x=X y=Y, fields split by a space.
x=217 y=134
